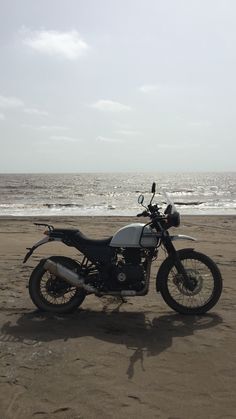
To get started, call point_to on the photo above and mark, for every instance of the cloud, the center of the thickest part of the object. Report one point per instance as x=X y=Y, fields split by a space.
x=179 y=145
x=52 y=127
x=9 y=102
x=35 y=111
x=110 y=106
x=67 y=44
x=45 y=127
x=2 y=117
x=128 y=132
x=199 y=124
x=64 y=138
x=108 y=139
x=149 y=88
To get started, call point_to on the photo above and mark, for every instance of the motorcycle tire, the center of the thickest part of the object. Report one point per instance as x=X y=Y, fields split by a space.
x=202 y=271
x=47 y=300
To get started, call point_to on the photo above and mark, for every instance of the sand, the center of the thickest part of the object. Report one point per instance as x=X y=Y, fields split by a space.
x=138 y=359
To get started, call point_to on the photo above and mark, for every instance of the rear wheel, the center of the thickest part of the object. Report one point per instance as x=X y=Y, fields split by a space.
x=204 y=286
x=51 y=293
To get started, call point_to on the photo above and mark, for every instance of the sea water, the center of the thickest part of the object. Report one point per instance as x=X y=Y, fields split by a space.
x=114 y=193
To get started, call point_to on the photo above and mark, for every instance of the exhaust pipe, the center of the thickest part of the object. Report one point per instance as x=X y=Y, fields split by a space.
x=68 y=275
x=78 y=281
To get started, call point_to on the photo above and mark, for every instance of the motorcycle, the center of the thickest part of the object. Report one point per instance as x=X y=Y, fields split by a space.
x=189 y=281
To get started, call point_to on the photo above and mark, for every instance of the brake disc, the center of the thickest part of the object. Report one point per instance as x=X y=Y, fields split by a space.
x=193 y=276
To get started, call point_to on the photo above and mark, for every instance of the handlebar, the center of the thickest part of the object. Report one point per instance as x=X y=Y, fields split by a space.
x=143 y=214
x=159 y=220
x=152 y=216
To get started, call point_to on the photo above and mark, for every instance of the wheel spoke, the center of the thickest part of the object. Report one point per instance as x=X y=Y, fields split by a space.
x=201 y=277
x=55 y=291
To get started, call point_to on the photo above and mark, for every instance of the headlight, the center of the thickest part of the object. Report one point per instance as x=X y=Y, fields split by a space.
x=173 y=219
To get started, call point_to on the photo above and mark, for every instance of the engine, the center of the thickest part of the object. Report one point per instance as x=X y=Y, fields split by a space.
x=128 y=273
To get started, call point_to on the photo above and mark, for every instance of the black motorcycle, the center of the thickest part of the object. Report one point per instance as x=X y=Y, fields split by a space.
x=189 y=281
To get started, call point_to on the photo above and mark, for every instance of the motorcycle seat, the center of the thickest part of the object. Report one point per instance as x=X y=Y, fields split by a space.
x=76 y=237
x=81 y=239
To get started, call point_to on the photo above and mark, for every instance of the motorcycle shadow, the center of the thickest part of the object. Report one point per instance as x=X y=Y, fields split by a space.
x=138 y=331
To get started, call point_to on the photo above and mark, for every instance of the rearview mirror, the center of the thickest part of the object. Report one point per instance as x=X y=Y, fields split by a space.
x=140 y=199
x=153 y=187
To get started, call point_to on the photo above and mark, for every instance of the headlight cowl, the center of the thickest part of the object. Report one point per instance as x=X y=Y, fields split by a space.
x=173 y=219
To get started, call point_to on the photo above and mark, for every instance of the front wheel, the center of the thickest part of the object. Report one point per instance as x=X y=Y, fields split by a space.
x=53 y=294
x=204 y=279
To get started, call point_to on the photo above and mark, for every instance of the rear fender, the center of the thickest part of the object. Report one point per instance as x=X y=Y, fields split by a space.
x=162 y=268
x=36 y=245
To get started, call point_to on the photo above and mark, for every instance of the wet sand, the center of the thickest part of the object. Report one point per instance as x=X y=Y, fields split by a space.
x=138 y=359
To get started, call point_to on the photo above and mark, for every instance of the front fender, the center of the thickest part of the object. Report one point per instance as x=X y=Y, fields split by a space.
x=182 y=237
x=165 y=263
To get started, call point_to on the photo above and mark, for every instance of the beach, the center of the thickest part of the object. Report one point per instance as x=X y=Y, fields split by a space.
x=110 y=359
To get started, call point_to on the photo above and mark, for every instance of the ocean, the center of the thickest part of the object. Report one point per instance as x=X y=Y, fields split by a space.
x=114 y=193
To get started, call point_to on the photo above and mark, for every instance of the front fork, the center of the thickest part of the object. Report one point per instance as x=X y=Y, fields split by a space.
x=187 y=282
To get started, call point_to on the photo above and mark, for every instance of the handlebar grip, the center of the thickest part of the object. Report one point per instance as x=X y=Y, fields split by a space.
x=143 y=214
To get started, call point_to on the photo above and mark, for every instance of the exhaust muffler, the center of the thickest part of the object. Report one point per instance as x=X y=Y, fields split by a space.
x=72 y=277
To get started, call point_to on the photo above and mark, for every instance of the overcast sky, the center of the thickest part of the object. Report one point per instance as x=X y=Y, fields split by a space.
x=117 y=85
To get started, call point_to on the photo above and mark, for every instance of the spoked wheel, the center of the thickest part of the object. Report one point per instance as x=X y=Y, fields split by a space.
x=51 y=293
x=202 y=290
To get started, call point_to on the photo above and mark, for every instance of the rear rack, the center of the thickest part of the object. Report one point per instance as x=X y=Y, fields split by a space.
x=50 y=227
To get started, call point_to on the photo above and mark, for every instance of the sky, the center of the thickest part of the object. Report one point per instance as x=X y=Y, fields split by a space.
x=117 y=85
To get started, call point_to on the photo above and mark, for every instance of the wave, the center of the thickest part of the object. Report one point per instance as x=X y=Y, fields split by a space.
x=12 y=187
x=192 y=203
x=182 y=191
x=65 y=205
